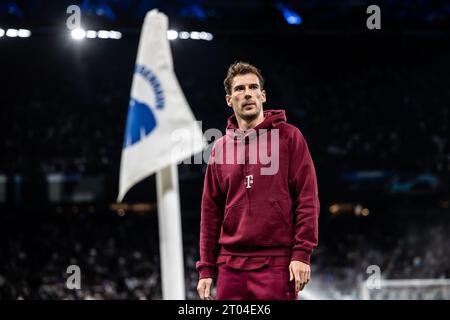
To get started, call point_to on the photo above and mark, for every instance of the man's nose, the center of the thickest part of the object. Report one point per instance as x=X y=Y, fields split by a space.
x=248 y=93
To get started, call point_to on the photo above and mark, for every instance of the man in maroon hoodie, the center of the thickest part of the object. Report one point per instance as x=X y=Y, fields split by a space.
x=260 y=205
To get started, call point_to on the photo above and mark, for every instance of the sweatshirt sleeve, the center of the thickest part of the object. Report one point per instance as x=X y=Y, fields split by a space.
x=303 y=186
x=212 y=209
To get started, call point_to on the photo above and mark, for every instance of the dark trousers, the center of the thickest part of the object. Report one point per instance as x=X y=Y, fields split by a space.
x=266 y=283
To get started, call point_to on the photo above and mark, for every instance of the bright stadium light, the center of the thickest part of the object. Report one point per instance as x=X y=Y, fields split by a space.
x=2 y=33
x=184 y=35
x=172 y=34
x=78 y=34
x=115 y=35
x=202 y=35
x=91 y=34
x=103 y=34
x=12 y=33
x=195 y=35
x=293 y=19
x=289 y=15
x=205 y=36
x=24 y=33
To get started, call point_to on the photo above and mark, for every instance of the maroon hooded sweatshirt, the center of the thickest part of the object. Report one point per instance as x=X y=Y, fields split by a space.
x=245 y=213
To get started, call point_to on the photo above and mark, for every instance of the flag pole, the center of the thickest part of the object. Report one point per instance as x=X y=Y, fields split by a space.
x=157 y=109
x=170 y=239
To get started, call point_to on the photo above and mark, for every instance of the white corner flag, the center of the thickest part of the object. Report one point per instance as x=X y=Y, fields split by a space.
x=161 y=131
x=158 y=111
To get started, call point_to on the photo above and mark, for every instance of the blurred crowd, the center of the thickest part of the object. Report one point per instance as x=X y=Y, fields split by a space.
x=118 y=256
x=402 y=248
x=389 y=114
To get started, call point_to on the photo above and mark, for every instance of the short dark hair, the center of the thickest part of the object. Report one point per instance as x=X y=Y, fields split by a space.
x=240 y=68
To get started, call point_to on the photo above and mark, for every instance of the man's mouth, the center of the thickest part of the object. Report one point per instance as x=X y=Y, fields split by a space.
x=249 y=104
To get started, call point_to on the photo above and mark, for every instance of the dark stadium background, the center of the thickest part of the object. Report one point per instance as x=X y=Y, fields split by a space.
x=372 y=104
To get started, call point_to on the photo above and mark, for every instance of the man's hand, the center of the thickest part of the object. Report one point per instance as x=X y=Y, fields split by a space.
x=204 y=288
x=301 y=272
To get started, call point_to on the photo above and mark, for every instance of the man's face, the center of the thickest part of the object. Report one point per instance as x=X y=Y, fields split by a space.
x=246 y=96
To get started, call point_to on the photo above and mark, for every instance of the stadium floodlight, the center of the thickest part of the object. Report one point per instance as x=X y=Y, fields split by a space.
x=289 y=15
x=172 y=34
x=103 y=34
x=12 y=33
x=2 y=33
x=78 y=34
x=91 y=34
x=365 y=212
x=195 y=35
x=209 y=36
x=184 y=35
x=115 y=35
x=24 y=33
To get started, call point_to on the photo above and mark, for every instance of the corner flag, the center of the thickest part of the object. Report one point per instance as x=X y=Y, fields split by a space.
x=157 y=109
x=161 y=131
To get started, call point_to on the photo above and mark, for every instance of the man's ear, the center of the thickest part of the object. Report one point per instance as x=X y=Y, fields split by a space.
x=263 y=94
x=228 y=100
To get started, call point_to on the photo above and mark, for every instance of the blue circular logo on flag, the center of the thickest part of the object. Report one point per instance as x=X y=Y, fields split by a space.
x=141 y=119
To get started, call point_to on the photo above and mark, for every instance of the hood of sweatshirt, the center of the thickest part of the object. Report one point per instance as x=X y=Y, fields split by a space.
x=272 y=119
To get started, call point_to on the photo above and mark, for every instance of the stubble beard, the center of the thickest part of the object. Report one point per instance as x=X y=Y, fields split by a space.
x=250 y=116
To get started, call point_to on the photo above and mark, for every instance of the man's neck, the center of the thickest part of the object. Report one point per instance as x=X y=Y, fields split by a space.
x=245 y=125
